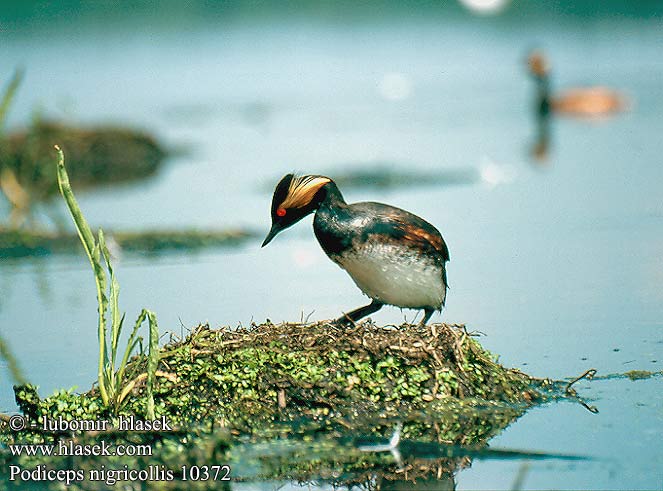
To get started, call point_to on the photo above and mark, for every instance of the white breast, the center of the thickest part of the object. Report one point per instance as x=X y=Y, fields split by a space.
x=394 y=275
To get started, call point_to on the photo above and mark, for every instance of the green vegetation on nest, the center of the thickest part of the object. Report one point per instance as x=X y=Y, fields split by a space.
x=283 y=372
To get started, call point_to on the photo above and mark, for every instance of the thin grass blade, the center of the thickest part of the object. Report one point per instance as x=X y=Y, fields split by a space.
x=131 y=344
x=116 y=319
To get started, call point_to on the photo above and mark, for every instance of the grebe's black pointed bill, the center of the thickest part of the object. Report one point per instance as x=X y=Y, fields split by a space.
x=272 y=233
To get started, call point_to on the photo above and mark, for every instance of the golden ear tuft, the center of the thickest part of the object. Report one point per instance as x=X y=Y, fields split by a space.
x=302 y=189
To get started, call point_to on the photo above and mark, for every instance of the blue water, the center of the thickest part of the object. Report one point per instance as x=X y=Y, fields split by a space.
x=559 y=264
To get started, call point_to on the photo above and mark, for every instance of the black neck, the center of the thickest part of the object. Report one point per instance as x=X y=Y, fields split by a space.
x=330 y=195
x=543 y=94
x=331 y=221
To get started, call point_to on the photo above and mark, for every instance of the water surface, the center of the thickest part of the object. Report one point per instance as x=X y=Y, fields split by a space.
x=559 y=264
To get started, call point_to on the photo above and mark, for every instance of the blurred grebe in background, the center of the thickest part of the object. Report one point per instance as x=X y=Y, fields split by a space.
x=578 y=101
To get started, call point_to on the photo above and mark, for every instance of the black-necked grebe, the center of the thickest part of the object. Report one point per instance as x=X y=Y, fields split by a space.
x=394 y=257
x=580 y=101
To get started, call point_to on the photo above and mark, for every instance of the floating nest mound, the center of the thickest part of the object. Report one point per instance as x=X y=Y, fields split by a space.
x=292 y=401
x=287 y=372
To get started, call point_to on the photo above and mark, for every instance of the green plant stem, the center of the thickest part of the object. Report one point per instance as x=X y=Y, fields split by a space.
x=93 y=254
x=152 y=362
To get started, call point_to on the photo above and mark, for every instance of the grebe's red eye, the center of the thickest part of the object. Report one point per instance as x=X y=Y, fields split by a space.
x=281 y=212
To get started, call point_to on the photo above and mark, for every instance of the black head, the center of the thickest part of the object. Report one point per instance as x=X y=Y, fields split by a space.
x=294 y=198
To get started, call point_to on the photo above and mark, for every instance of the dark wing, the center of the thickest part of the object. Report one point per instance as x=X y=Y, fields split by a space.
x=397 y=223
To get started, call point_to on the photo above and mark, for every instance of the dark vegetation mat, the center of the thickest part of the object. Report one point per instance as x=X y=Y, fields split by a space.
x=16 y=243
x=96 y=155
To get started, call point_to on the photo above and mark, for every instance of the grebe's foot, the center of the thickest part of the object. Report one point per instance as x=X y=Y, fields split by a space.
x=349 y=319
x=427 y=315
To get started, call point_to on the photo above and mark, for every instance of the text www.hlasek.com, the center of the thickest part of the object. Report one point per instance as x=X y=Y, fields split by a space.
x=72 y=449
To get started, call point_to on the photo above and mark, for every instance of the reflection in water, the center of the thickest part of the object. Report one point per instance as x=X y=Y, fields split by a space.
x=385 y=465
x=586 y=102
x=429 y=465
x=443 y=481
x=7 y=356
x=41 y=278
x=541 y=146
